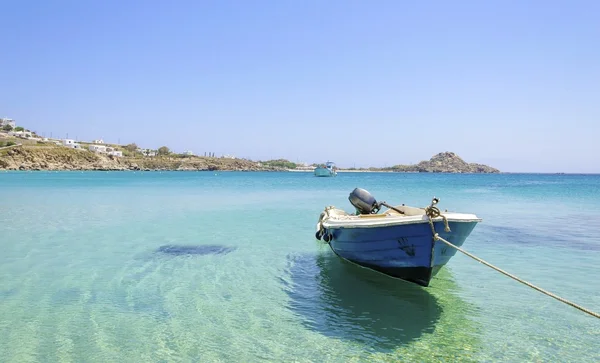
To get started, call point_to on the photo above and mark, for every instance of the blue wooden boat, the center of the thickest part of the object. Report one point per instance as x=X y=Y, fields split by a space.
x=327 y=169
x=398 y=242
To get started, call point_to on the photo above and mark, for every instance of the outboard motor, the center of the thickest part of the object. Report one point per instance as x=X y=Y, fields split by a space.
x=363 y=201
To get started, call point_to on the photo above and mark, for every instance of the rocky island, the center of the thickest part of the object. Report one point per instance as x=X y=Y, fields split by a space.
x=445 y=162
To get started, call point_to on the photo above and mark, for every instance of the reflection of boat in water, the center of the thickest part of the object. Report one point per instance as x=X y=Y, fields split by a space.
x=327 y=169
x=341 y=300
x=398 y=242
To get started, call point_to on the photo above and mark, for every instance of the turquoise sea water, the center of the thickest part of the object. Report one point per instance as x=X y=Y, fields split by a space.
x=82 y=278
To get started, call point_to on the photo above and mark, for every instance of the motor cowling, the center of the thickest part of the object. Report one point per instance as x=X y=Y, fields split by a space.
x=363 y=201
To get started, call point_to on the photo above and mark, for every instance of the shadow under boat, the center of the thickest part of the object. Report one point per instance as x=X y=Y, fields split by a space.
x=341 y=300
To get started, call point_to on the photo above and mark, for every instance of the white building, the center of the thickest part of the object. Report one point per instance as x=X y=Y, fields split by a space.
x=147 y=152
x=7 y=121
x=21 y=134
x=71 y=144
x=98 y=148
x=189 y=153
x=102 y=149
x=99 y=141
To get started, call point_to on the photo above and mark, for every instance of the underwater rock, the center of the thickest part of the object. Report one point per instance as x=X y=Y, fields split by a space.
x=178 y=250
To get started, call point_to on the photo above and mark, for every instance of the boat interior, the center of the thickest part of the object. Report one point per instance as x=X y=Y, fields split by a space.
x=407 y=212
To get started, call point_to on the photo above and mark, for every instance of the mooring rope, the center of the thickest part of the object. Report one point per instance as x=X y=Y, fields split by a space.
x=436 y=237
x=433 y=212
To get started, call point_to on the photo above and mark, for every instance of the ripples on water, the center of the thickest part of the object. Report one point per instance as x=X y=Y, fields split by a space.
x=198 y=267
x=344 y=301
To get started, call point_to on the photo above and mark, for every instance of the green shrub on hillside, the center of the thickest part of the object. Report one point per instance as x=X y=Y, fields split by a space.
x=280 y=163
x=131 y=147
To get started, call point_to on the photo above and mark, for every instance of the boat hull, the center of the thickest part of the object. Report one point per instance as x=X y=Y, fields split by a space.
x=324 y=172
x=405 y=251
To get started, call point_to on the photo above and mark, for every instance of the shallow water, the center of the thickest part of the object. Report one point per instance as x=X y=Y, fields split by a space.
x=203 y=266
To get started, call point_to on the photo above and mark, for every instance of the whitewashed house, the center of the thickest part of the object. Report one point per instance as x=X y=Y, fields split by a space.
x=101 y=149
x=71 y=144
x=99 y=141
x=7 y=121
x=147 y=152
x=189 y=153
x=21 y=134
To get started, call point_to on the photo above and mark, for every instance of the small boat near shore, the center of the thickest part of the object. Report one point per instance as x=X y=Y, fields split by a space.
x=398 y=242
x=326 y=170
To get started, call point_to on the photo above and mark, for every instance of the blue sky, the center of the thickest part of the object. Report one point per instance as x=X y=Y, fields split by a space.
x=514 y=84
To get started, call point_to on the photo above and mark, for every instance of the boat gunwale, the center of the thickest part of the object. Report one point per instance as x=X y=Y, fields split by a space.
x=391 y=220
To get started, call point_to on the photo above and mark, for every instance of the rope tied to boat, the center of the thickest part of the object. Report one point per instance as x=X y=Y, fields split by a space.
x=433 y=212
x=324 y=215
x=436 y=237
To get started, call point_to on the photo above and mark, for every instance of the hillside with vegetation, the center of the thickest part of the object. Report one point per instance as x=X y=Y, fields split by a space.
x=53 y=157
x=279 y=163
x=42 y=154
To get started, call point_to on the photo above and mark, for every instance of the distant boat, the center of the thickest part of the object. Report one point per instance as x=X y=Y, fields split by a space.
x=398 y=242
x=327 y=169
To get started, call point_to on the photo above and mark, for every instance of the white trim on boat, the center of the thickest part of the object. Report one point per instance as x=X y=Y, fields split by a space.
x=382 y=220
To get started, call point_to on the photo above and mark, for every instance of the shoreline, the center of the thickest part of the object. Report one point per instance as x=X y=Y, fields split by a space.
x=350 y=171
x=44 y=156
x=3 y=170
x=369 y=171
